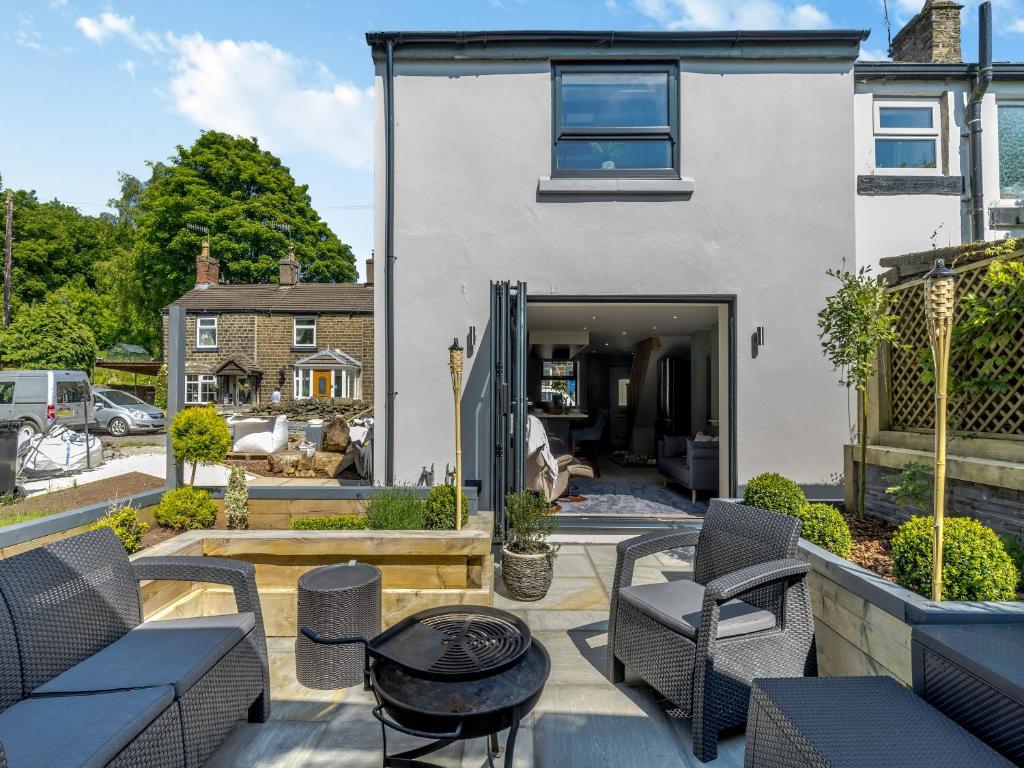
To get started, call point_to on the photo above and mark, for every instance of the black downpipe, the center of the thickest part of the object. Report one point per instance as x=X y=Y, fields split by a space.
x=389 y=263
x=982 y=80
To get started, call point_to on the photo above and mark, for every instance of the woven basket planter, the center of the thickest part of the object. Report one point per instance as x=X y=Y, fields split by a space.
x=527 y=577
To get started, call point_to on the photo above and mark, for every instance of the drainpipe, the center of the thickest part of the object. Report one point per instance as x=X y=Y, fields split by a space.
x=982 y=80
x=389 y=263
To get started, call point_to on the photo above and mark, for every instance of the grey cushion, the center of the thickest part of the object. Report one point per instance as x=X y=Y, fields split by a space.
x=677 y=605
x=672 y=445
x=704 y=449
x=78 y=731
x=176 y=652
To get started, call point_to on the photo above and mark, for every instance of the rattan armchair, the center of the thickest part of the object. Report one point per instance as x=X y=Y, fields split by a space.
x=700 y=643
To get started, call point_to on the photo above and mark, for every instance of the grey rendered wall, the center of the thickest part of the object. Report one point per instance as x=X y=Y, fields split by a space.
x=768 y=145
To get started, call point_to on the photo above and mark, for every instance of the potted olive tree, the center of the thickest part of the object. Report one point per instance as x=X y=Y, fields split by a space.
x=527 y=560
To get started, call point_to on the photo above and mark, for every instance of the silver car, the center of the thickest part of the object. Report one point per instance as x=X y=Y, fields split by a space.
x=120 y=413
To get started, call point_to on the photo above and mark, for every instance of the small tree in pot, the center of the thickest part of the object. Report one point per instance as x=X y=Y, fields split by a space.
x=527 y=560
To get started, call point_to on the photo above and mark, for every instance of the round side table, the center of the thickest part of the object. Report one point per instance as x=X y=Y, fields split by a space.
x=335 y=601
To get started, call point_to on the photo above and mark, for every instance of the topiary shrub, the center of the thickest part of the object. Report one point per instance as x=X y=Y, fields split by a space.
x=123 y=520
x=439 y=508
x=200 y=436
x=824 y=525
x=236 y=500
x=1015 y=550
x=775 y=493
x=395 y=509
x=974 y=564
x=185 y=509
x=530 y=522
x=329 y=523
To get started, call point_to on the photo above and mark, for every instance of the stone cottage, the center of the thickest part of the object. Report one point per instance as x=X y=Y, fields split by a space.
x=305 y=339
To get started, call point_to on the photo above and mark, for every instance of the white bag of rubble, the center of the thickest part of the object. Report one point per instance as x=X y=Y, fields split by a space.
x=62 y=452
x=260 y=435
x=361 y=433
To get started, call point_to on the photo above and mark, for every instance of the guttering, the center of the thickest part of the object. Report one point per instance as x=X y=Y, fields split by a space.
x=389 y=263
x=982 y=80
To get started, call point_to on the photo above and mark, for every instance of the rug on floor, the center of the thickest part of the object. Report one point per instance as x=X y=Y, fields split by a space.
x=616 y=497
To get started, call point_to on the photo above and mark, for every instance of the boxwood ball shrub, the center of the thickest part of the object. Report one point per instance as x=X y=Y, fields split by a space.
x=439 y=508
x=775 y=493
x=395 y=509
x=330 y=523
x=185 y=509
x=123 y=520
x=1015 y=550
x=824 y=525
x=975 y=565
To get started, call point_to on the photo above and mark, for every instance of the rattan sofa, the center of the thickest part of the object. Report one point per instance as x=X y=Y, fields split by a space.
x=84 y=682
x=700 y=643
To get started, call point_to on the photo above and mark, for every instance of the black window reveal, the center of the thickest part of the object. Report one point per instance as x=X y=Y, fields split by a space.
x=619 y=120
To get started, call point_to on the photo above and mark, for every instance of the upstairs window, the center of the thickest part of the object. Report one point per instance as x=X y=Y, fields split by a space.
x=616 y=120
x=206 y=333
x=907 y=136
x=1011 y=151
x=304 y=332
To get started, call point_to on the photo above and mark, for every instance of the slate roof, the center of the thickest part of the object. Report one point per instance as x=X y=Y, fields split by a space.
x=342 y=298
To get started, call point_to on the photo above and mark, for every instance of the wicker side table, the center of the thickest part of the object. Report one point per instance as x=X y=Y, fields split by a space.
x=335 y=601
x=854 y=722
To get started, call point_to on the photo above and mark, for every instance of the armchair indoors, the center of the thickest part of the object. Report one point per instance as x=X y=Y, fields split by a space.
x=546 y=472
x=590 y=437
x=700 y=643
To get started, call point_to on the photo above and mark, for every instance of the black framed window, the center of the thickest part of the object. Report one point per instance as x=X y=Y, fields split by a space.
x=558 y=383
x=615 y=119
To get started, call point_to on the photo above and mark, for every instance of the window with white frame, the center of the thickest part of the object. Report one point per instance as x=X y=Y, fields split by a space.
x=304 y=332
x=201 y=388
x=347 y=383
x=303 y=383
x=1011 y=151
x=907 y=136
x=206 y=333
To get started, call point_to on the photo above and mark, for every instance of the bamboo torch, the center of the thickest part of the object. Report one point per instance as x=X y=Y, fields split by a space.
x=940 y=297
x=455 y=367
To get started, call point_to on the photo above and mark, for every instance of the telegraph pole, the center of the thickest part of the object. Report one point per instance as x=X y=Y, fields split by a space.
x=8 y=237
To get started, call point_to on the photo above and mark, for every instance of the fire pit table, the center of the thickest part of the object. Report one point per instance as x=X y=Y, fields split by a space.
x=449 y=674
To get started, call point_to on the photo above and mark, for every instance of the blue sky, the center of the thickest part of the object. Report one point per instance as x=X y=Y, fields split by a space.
x=93 y=88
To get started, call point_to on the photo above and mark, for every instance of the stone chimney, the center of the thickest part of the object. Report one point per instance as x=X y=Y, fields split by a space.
x=288 y=269
x=207 y=267
x=931 y=37
x=369 y=269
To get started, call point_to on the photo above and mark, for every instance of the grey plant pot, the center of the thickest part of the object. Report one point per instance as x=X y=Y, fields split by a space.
x=528 y=577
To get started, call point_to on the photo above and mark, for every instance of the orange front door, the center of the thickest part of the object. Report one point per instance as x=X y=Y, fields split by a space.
x=321 y=383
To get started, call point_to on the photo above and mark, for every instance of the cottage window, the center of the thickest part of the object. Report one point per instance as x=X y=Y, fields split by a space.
x=201 y=388
x=1011 y=151
x=616 y=120
x=558 y=380
x=304 y=332
x=347 y=383
x=907 y=136
x=206 y=333
x=303 y=383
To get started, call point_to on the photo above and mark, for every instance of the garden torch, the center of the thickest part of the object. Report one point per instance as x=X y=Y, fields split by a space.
x=455 y=366
x=939 y=299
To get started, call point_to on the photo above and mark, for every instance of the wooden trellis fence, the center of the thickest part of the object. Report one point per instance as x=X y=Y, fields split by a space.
x=911 y=397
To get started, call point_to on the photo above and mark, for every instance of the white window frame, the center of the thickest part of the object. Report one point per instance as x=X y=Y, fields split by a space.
x=295 y=330
x=302 y=376
x=934 y=133
x=199 y=328
x=199 y=382
x=1019 y=103
x=347 y=383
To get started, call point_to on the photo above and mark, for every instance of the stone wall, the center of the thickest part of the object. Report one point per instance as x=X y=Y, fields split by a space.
x=933 y=35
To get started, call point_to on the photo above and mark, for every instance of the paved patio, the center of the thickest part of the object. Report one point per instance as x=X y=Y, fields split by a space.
x=581 y=720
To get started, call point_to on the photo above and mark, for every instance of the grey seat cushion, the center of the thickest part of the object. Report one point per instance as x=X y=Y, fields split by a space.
x=78 y=731
x=677 y=605
x=177 y=652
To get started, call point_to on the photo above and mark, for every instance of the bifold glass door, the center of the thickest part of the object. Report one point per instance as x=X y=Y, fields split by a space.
x=508 y=394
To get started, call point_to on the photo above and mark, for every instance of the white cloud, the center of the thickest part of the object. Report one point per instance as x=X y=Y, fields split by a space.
x=733 y=14
x=27 y=36
x=1017 y=26
x=109 y=25
x=128 y=66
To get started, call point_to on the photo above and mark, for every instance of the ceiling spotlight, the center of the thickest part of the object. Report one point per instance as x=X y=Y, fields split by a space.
x=593 y=317
x=654 y=327
x=623 y=333
x=675 y=317
x=606 y=343
x=584 y=327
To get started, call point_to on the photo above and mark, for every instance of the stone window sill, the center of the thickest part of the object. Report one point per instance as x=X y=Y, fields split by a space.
x=679 y=187
x=207 y=349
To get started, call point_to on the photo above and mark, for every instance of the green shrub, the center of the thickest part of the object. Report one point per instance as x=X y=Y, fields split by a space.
x=530 y=522
x=185 y=509
x=439 y=509
x=200 y=436
x=1015 y=550
x=775 y=493
x=123 y=520
x=974 y=564
x=160 y=388
x=825 y=526
x=395 y=509
x=236 y=500
x=329 y=523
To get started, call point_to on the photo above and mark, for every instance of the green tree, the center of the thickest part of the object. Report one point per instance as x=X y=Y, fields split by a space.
x=854 y=324
x=48 y=334
x=243 y=195
x=200 y=436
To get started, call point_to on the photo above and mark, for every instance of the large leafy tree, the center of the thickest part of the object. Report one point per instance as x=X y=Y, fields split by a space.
x=253 y=209
x=48 y=334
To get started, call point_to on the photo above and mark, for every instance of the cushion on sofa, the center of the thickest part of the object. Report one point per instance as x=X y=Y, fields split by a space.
x=176 y=652
x=673 y=445
x=78 y=731
x=677 y=604
x=705 y=449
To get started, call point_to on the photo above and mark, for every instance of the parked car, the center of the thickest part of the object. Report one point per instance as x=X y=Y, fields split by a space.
x=119 y=412
x=39 y=398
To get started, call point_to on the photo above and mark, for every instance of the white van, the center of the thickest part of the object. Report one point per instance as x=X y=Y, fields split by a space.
x=40 y=398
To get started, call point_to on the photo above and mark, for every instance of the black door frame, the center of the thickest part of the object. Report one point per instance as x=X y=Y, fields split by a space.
x=727 y=300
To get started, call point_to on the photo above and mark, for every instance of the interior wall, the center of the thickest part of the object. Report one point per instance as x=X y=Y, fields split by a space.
x=698 y=380
x=642 y=436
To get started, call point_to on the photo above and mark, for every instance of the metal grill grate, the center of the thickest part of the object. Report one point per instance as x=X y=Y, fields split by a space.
x=476 y=643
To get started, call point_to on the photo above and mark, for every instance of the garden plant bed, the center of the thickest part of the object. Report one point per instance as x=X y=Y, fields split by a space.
x=262 y=468
x=67 y=499
x=872 y=540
